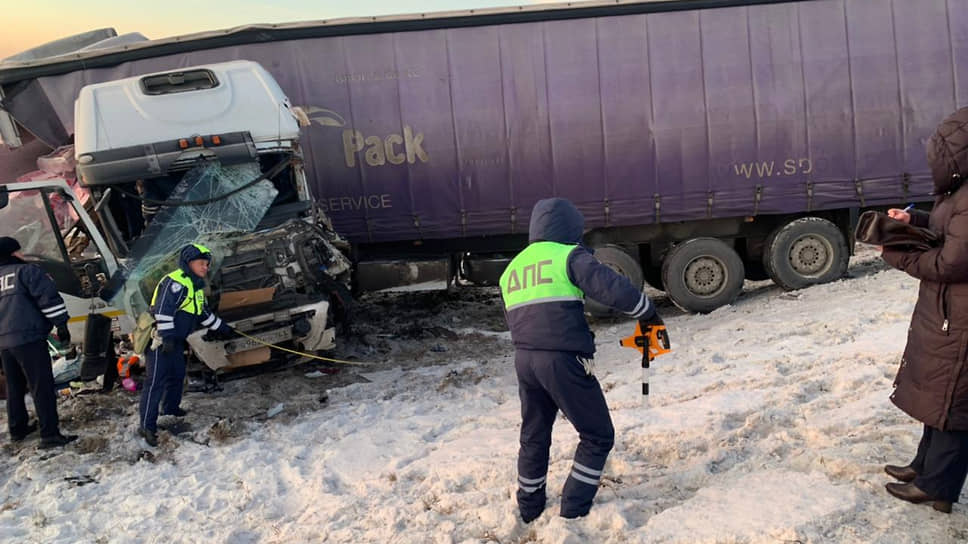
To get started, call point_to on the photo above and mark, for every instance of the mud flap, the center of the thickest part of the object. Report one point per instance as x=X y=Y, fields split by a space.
x=97 y=347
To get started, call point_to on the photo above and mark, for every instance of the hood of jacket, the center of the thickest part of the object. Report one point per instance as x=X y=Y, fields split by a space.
x=556 y=220
x=947 y=151
x=190 y=253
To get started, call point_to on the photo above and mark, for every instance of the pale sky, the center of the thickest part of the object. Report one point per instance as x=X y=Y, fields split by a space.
x=31 y=23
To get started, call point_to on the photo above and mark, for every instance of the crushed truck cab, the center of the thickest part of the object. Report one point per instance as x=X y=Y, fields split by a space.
x=207 y=154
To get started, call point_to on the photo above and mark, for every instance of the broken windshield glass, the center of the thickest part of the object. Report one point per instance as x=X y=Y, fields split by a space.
x=156 y=252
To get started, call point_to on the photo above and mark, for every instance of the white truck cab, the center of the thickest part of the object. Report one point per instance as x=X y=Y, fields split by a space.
x=146 y=126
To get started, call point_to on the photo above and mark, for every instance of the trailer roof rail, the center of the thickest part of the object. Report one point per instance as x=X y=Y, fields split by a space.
x=12 y=70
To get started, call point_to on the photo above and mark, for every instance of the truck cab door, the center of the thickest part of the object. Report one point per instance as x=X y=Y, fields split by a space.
x=46 y=224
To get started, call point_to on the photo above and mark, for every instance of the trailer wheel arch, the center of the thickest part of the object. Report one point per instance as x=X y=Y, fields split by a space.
x=622 y=261
x=751 y=251
x=755 y=271
x=653 y=276
x=652 y=255
x=702 y=274
x=806 y=251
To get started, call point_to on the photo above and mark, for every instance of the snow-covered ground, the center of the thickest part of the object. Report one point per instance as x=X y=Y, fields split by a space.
x=769 y=422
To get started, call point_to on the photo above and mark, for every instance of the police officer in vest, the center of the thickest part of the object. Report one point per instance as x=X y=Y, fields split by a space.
x=543 y=290
x=179 y=306
x=30 y=307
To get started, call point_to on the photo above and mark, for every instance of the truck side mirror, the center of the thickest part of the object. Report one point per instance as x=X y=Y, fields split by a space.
x=4 y=197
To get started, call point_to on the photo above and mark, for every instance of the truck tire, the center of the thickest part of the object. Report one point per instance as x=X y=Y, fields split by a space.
x=805 y=252
x=702 y=274
x=622 y=262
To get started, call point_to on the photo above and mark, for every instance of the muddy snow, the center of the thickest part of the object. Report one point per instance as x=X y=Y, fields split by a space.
x=769 y=422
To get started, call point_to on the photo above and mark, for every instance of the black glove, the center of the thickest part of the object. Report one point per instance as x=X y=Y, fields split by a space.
x=224 y=333
x=654 y=320
x=63 y=335
x=169 y=345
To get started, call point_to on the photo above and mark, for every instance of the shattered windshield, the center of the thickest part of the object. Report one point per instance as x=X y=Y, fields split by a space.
x=156 y=252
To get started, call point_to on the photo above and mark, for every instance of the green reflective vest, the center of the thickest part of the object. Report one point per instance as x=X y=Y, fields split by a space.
x=539 y=274
x=194 y=301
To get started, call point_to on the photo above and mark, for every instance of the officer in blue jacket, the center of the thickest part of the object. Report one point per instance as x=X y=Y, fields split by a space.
x=543 y=290
x=179 y=307
x=30 y=307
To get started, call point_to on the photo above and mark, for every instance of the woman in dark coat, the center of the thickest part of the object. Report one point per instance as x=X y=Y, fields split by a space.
x=932 y=381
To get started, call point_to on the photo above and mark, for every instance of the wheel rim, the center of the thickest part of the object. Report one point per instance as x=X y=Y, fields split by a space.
x=706 y=276
x=810 y=255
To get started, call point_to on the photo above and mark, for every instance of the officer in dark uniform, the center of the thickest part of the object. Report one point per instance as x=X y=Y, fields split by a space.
x=543 y=290
x=179 y=307
x=30 y=307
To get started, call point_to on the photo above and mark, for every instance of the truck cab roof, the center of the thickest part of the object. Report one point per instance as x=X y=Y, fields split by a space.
x=228 y=97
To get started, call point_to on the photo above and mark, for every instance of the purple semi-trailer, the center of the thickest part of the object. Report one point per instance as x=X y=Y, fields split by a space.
x=705 y=141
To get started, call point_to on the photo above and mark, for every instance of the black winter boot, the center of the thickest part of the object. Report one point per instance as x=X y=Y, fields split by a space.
x=905 y=473
x=912 y=493
x=531 y=505
x=57 y=441
x=151 y=437
x=21 y=435
x=530 y=515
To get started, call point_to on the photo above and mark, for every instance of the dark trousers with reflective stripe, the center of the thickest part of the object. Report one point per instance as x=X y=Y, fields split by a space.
x=27 y=367
x=549 y=381
x=164 y=378
x=941 y=463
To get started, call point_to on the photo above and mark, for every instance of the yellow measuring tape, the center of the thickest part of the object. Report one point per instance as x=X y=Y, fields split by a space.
x=294 y=352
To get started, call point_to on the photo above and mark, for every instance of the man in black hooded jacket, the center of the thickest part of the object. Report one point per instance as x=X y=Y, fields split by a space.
x=30 y=307
x=543 y=290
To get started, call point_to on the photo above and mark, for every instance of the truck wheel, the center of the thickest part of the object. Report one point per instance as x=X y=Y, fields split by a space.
x=702 y=274
x=620 y=261
x=804 y=252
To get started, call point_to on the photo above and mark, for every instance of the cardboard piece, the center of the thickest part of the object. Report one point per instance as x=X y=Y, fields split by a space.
x=248 y=358
x=249 y=297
